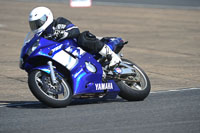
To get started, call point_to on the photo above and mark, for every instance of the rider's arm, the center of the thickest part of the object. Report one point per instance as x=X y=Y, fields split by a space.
x=65 y=29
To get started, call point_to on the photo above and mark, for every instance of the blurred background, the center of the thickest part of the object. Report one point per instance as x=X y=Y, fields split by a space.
x=163 y=38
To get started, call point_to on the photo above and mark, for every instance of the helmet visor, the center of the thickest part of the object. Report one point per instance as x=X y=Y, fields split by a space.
x=36 y=24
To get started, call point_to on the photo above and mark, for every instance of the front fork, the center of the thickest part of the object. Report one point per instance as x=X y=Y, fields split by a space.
x=52 y=73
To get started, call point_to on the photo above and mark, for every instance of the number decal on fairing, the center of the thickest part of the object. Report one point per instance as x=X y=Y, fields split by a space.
x=76 y=51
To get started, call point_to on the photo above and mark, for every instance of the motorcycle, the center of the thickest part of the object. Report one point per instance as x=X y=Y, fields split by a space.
x=61 y=71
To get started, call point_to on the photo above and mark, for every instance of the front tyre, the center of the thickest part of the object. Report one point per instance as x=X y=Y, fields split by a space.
x=58 y=95
x=136 y=87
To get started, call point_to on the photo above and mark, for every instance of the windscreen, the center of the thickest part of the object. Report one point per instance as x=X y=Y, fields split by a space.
x=28 y=37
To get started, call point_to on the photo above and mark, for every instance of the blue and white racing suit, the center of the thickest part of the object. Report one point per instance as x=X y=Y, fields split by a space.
x=61 y=29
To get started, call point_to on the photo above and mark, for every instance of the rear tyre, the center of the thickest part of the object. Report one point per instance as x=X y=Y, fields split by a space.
x=56 y=96
x=138 y=89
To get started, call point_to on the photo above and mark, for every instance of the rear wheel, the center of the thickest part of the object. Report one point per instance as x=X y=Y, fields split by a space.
x=58 y=95
x=135 y=87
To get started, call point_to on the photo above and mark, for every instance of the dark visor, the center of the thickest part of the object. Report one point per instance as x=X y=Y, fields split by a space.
x=34 y=25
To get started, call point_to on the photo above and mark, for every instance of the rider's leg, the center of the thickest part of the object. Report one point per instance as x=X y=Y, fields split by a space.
x=107 y=51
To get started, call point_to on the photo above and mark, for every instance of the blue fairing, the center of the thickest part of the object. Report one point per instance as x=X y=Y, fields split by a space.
x=38 y=51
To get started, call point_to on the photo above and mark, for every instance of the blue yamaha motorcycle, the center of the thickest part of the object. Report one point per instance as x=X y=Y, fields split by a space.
x=61 y=71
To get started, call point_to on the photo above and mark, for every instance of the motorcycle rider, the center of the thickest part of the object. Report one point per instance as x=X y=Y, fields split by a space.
x=41 y=22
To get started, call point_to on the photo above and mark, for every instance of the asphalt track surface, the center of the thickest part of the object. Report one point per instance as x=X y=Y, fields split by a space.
x=163 y=4
x=178 y=4
x=162 y=112
x=193 y=3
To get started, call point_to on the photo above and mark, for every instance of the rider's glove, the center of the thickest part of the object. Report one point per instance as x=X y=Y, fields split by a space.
x=57 y=33
x=60 y=34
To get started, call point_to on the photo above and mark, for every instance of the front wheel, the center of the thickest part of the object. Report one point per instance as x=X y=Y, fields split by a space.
x=58 y=95
x=135 y=87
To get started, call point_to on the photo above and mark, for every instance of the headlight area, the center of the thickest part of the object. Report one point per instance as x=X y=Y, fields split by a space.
x=33 y=47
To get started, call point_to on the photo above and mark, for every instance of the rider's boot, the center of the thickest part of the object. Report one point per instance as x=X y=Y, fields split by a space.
x=107 y=51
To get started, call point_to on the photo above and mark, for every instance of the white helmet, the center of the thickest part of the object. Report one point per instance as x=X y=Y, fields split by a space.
x=40 y=18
